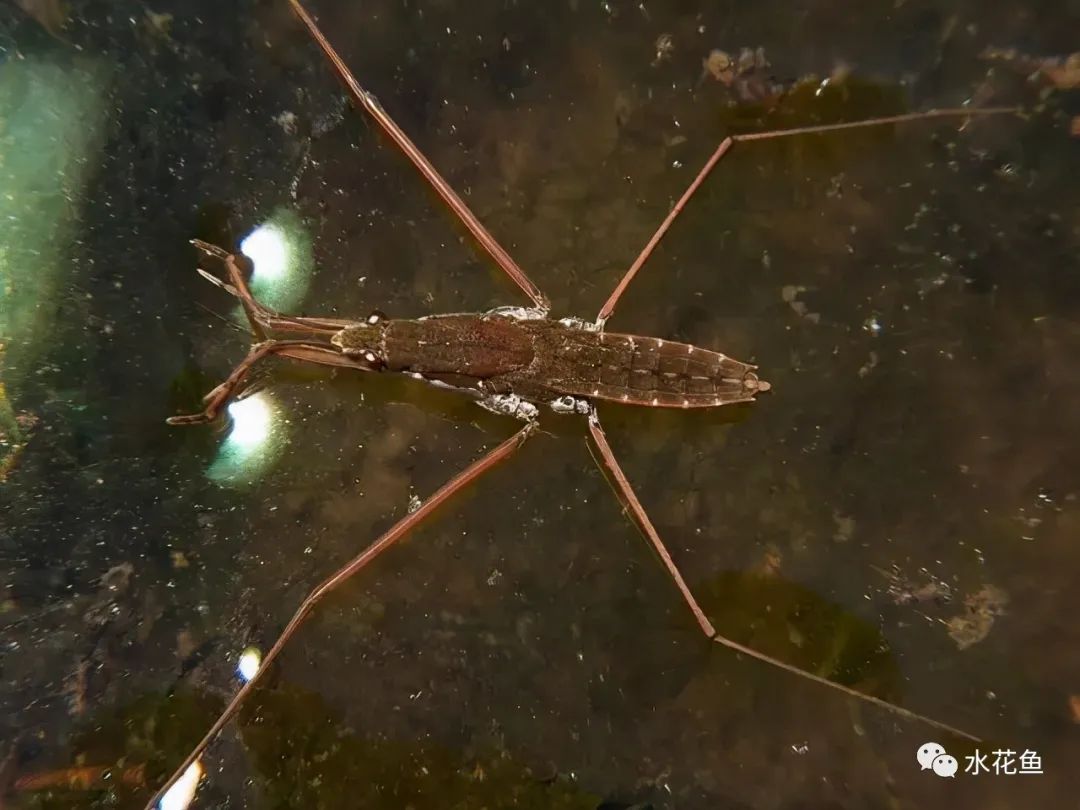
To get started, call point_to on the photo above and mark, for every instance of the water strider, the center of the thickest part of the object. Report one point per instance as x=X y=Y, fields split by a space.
x=514 y=361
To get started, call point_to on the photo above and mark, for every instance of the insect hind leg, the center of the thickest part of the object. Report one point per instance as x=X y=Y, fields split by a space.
x=610 y=465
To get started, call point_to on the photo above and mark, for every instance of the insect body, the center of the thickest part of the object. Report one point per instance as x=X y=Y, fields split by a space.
x=544 y=361
x=513 y=360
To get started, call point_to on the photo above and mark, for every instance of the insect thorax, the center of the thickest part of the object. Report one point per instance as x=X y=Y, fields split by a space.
x=362 y=340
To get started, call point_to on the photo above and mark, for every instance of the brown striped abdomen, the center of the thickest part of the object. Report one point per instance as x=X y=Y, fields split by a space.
x=630 y=369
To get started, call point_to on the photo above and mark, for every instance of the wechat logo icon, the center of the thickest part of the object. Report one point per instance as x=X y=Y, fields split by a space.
x=932 y=757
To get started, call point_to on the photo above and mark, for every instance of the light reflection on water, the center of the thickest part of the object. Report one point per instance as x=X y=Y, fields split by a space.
x=281 y=252
x=179 y=796
x=254 y=442
x=252 y=421
x=268 y=250
x=51 y=118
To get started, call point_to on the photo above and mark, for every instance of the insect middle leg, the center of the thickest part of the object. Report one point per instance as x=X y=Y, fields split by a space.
x=611 y=465
x=726 y=145
x=431 y=174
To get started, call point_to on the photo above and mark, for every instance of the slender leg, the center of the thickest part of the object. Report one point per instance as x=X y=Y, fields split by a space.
x=442 y=188
x=731 y=140
x=260 y=316
x=626 y=491
x=302 y=350
x=399 y=530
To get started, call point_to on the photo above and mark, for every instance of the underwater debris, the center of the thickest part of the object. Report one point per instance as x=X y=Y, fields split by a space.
x=980 y=610
x=747 y=76
x=1060 y=72
x=664 y=46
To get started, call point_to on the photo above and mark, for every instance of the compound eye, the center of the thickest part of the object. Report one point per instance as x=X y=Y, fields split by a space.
x=375 y=317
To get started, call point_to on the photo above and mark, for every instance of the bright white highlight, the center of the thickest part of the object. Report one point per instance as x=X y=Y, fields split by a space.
x=252 y=420
x=179 y=796
x=250 y=659
x=254 y=441
x=268 y=250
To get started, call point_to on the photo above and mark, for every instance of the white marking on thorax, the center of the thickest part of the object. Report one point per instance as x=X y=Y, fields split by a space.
x=569 y=404
x=510 y=405
x=517 y=313
x=580 y=323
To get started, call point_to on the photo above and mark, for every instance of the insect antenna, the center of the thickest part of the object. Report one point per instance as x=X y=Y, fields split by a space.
x=214 y=313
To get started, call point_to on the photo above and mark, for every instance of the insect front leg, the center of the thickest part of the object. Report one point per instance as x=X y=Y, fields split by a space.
x=261 y=317
x=430 y=173
x=304 y=351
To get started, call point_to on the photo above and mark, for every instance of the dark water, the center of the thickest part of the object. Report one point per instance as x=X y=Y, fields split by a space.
x=899 y=514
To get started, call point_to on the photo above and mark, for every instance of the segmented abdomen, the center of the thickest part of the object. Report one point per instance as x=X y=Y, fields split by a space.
x=639 y=370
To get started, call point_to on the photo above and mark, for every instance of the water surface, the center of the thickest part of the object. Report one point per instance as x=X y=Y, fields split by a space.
x=899 y=514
